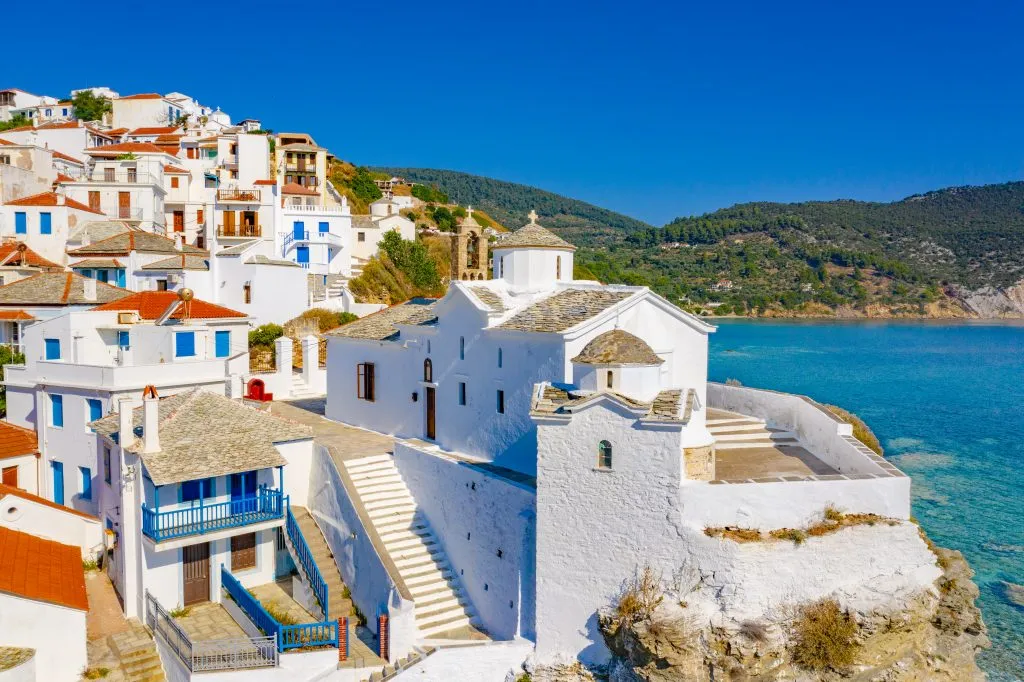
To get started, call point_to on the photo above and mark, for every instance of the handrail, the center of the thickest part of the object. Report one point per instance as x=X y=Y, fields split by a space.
x=266 y=505
x=305 y=557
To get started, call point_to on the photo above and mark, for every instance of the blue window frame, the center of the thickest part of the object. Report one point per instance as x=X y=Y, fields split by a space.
x=120 y=278
x=87 y=272
x=122 y=340
x=302 y=254
x=58 y=481
x=45 y=223
x=86 y=477
x=298 y=229
x=222 y=343
x=103 y=276
x=95 y=408
x=325 y=227
x=106 y=464
x=193 y=490
x=57 y=410
x=185 y=344
x=52 y=348
x=20 y=222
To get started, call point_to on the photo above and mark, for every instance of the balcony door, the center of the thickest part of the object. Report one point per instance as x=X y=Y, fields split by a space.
x=179 y=221
x=431 y=400
x=243 y=492
x=195 y=564
x=124 y=205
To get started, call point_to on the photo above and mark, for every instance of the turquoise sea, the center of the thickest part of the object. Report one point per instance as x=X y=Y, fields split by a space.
x=947 y=402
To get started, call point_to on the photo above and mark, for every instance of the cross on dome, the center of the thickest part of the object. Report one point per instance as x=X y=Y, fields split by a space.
x=469 y=211
x=533 y=217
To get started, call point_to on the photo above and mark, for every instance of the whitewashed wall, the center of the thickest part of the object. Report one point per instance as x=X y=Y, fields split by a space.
x=53 y=524
x=56 y=633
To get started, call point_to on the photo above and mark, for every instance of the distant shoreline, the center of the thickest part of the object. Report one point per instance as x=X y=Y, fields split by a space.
x=935 y=321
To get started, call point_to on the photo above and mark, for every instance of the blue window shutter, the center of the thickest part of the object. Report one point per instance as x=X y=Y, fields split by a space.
x=45 y=223
x=325 y=227
x=58 y=481
x=223 y=343
x=20 y=223
x=302 y=254
x=86 y=482
x=56 y=410
x=52 y=349
x=120 y=278
x=87 y=272
x=184 y=344
x=122 y=339
x=95 y=409
x=298 y=229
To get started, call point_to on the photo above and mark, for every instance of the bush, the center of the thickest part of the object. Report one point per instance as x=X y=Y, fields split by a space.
x=825 y=637
x=444 y=219
x=429 y=194
x=459 y=212
x=265 y=335
x=364 y=186
x=639 y=597
x=861 y=431
x=327 y=319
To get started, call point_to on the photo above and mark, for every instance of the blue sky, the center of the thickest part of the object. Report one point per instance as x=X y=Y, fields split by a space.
x=655 y=110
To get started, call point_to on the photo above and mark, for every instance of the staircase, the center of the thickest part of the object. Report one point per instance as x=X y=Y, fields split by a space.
x=300 y=390
x=357 y=265
x=138 y=655
x=338 y=604
x=335 y=285
x=736 y=431
x=441 y=604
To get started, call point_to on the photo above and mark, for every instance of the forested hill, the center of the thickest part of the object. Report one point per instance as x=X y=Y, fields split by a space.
x=509 y=202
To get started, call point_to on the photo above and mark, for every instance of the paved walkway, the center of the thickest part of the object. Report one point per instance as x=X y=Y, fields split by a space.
x=768 y=462
x=344 y=442
x=209 y=621
x=277 y=600
x=105 y=616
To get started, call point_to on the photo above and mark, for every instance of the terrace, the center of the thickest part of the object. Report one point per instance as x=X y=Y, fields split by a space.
x=267 y=505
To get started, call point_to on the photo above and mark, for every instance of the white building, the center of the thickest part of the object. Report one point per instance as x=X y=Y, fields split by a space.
x=78 y=365
x=66 y=140
x=317 y=237
x=19 y=458
x=13 y=100
x=370 y=229
x=44 y=222
x=145 y=109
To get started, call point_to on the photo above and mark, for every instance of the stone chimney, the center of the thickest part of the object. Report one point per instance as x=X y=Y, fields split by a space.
x=125 y=426
x=150 y=420
x=61 y=198
x=89 y=289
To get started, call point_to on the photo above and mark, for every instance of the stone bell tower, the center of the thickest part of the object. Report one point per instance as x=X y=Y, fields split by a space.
x=469 y=250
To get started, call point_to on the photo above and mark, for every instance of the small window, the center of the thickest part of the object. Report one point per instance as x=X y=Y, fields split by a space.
x=325 y=227
x=501 y=402
x=604 y=455
x=558 y=267
x=365 y=388
x=611 y=379
x=106 y=464
x=161 y=285
x=86 y=475
x=52 y=349
x=95 y=409
x=57 y=411
x=361 y=237
x=499 y=358
x=174 y=182
x=243 y=552
x=222 y=343
x=45 y=223
x=247 y=293
x=184 y=344
x=428 y=370
x=193 y=490
x=20 y=222
x=462 y=348
x=462 y=393
x=122 y=339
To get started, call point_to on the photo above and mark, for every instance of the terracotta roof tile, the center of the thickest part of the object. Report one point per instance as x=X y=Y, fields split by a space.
x=10 y=254
x=295 y=188
x=16 y=440
x=11 y=144
x=162 y=130
x=175 y=170
x=126 y=148
x=144 y=95
x=15 y=316
x=60 y=155
x=42 y=570
x=63 y=178
x=26 y=495
x=50 y=199
x=152 y=304
x=265 y=182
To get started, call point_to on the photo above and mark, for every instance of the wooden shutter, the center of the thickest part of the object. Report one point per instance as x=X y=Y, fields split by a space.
x=243 y=552
x=370 y=386
x=361 y=381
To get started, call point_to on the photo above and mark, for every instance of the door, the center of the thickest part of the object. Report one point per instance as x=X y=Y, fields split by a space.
x=179 y=221
x=10 y=476
x=58 y=481
x=302 y=254
x=298 y=230
x=195 y=571
x=431 y=406
x=124 y=205
x=249 y=224
x=243 y=492
x=94 y=201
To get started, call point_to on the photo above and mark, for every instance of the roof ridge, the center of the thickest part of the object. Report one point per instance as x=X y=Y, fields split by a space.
x=67 y=288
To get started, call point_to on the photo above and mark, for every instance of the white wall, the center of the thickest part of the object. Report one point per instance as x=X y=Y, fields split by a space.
x=26 y=672
x=279 y=292
x=28 y=471
x=56 y=633
x=481 y=663
x=474 y=515
x=532 y=269
x=44 y=521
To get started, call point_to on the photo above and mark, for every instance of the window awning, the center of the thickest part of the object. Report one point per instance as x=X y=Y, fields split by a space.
x=210 y=176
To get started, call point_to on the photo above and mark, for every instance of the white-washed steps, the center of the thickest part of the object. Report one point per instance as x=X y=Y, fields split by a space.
x=738 y=432
x=440 y=602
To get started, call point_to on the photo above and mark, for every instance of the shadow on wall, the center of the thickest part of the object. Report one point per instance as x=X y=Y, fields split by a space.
x=597 y=651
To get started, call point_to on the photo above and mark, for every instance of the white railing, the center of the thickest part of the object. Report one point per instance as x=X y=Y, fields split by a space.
x=303 y=208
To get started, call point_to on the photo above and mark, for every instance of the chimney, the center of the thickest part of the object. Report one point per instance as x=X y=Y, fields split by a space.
x=89 y=289
x=177 y=241
x=61 y=198
x=150 y=420
x=125 y=427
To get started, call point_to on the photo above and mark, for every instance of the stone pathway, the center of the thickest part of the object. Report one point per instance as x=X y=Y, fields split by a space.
x=209 y=621
x=344 y=442
x=277 y=599
x=105 y=616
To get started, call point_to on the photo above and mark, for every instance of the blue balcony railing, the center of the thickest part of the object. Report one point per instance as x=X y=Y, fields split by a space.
x=306 y=560
x=267 y=504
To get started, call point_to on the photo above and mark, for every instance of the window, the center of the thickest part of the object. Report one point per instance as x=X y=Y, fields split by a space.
x=45 y=223
x=200 y=216
x=247 y=293
x=106 y=464
x=184 y=344
x=361 y=237
x=428 y=370
x=108 y=174
x=243 y=551
x=174 y=182
x=86 y=475
x=462 y=393
x=193 y=490
x=133 y=174
x=604 y=455
x=501 y=402
x=611 y=379
x=558 y=267
x=63 y=112
x=58 y=481
x=57 y=411
x=462 y=348
x=161 y=285
x=103 y=276
x=49 y=112
x=499 y=358
x=325 y=227
x=365 y=381
x=5 y=160
x=222 y=343
x=95 y=407
x=20 y=222
x=52 y=348
x=122 y=340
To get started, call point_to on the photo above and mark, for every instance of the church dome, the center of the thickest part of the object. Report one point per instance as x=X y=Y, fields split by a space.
x=617 y=347
x=533 y=236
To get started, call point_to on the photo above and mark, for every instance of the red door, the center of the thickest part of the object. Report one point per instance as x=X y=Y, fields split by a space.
x=124 y=205
x=179 y=221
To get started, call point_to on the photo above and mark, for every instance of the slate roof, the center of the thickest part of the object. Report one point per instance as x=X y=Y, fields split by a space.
x=182 y=262
x=664 y=407
x=42 y=570
x=488 y=298
x=617 y=347
x=534 y=236
x=381 y=325
x=134 y=240
x=203 y=434
x=237 y=249
x=56 y=288
x=97 y=230
x=564 y=310
x=16 y=441
x=98 y=263
x=150 y=305
x=260 y=259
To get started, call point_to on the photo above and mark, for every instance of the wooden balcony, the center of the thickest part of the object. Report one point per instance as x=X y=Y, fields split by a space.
x=248 y=196
x=243 y=231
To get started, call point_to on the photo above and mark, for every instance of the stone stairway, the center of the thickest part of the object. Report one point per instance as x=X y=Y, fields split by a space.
x=736 y=431
x=300 y=389
x=357 y=265
x=338 y=604
x=335 y=285
x=441 y=604
x=137 y=652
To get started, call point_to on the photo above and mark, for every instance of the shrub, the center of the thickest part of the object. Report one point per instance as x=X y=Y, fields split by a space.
x=265 y=335
x=96 y=673
x=364 y=186
x=861 y=431
x=825 y=637
x=180 y=612
x=734 y=534
x=459 y=212
x=640 y=596
x=797 y=536
x=733 y=382
x=278 y=613
x=444 y=219
x=429 y=194
x=327 y=319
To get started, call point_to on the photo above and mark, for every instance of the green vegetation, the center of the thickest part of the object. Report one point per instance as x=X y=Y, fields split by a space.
x=326 y=319
x=825 y=637
x=403 y=269
x=8 y=357
x=861 y=431
x=357 y=183
x=180 y=612
x=265 y=335
x=89 y=107
x=443 y=218
x=96 y=673
x=16 y=122
x=430 y=194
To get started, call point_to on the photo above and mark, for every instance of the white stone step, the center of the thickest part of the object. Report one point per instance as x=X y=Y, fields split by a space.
x=733 y=420
x=416 y=562
x=752 y=426
x=409 y=542
x=390 y=530
x=381 y=485
x=444 y=626
x=389 y=502
x=427 y=583
x=381 y=495
x=762 y=435
x=438 y=593
x=448 y=605
x=430 y=567
x=392 y=514
x=417 y=551
x=364 y=467
x=740 y=445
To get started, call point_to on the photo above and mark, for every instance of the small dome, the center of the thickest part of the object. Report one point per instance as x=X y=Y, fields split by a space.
x=533 y=236
x=617 y=347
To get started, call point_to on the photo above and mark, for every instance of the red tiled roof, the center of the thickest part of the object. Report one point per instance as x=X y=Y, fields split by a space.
x=168 y=139
x=72 y=159
x=115 y=132
x=15 y=316
x=295 y=188
x=42 y=570
x=57 y=125
x=5 y=142
x=154 y=131
x=152 y=304
x=144 y=95
x=50 y=199
x=174 y=169
x=265 y=182
x=9 y=256
x=16 y=441
x=63 y=178
x=126 y=148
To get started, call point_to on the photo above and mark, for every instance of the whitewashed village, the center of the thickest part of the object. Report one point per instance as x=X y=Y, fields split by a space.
x=529 y=477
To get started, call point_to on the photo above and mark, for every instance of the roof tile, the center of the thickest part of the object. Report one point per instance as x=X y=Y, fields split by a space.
x=42 y=570
x=150 y=305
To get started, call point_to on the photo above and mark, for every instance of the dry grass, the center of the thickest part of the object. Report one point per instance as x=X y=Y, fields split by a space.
x=835 y=519
x=825 y=637
x=754 y=631
x=278 y=613
x=797 y=536
x=735 y=534
x=640 y=596
x=180 y=612
x=96 y=673
x=861 y=431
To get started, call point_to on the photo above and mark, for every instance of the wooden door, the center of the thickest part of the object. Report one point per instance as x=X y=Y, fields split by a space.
x=431 y=407
x=124 y=205
x=179 y=221
x=94 y=200
x=229 y=223
x=195 y=564
x=10 y=476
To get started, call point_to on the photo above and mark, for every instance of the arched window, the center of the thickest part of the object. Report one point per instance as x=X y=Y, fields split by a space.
x=428 y=370
x=604 y=455
x=611 y=379
x=462 y=348
x=558 y=267
x=499 y=358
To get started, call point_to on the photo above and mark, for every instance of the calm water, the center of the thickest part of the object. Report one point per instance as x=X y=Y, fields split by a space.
x=947 y=402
